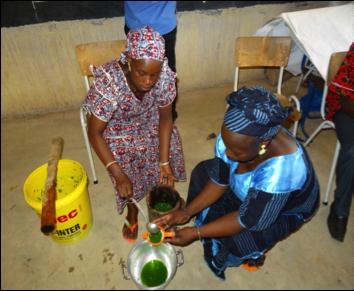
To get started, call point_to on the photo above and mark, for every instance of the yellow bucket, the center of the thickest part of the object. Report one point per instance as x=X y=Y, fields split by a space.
x=73 y=207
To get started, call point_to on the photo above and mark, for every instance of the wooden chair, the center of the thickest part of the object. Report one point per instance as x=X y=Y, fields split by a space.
x=96 y=53
x=269 y=51
x=335 y=62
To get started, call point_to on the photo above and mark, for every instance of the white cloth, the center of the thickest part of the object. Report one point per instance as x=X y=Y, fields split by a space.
x=318 y=32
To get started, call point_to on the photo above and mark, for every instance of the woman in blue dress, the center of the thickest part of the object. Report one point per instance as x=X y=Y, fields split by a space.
x=259 y=188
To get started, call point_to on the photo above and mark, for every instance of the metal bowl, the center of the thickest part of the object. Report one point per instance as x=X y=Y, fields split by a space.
x=143 y=252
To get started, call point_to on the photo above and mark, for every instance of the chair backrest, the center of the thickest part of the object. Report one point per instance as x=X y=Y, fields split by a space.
x=262 y=51
x=335 y=61
x=97 y=53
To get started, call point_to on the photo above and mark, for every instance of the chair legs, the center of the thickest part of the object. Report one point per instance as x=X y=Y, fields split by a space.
x=331 y=174
x=83 y=119
x=297 y=106
x=326 y=124
x=299 y=83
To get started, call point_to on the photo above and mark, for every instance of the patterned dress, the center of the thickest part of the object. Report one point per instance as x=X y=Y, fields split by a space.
x=132 y=130
x=341 y=85
x=273 y=201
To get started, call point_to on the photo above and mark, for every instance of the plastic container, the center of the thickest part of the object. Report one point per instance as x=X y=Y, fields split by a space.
x=73 y=207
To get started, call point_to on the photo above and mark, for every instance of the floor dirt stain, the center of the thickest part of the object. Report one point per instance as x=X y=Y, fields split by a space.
x=124 y=268
x=81 y=257
x=13 y=187
x=107 y=278
x=110 y=256
x=51 y=273
x=107 y=256
x=71 y=269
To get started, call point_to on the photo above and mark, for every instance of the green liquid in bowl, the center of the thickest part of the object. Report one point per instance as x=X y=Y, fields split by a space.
x=163 y=206
x=154 y=273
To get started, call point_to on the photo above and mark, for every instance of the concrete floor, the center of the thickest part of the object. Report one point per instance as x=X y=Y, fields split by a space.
x=308 y=259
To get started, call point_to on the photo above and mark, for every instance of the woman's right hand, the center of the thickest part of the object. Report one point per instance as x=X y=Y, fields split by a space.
x=124 y=186
x=183 y=237
x=176 y=217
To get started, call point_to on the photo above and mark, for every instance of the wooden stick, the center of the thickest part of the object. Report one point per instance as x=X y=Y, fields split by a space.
x=48 y=217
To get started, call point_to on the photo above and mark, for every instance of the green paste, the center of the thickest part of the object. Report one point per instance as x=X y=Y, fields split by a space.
x=163 y=206
x=154 y=273
x=155 y=238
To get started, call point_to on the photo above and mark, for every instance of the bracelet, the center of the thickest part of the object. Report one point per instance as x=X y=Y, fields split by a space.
x=165 y=163
x=198 y=232
x=110 y=164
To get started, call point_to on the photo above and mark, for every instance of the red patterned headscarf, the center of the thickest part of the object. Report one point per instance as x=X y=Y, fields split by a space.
x=145 y=43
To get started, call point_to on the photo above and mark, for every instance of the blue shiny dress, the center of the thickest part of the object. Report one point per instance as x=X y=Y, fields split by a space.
x=273 y=201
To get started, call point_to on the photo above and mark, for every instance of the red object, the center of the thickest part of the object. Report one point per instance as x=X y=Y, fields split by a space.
x=341 y=85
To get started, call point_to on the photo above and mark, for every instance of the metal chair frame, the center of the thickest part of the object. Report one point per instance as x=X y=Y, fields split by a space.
x=336 y=60
x=95 y=53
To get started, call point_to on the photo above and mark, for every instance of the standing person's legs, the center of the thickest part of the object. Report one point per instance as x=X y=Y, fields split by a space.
x=170 y=44
x=126 y=29
x=340 y=208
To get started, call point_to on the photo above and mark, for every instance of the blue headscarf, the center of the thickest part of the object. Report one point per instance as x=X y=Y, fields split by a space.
x=254 y=111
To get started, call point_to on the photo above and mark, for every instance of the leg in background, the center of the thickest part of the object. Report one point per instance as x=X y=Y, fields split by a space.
x=340 y=208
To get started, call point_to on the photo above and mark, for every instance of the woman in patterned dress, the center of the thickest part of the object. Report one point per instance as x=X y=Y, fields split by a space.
x=130 y=127
x=259 y=188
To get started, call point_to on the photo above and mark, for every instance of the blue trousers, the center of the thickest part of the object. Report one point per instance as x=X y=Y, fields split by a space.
x=231 y=251
x=345 y=166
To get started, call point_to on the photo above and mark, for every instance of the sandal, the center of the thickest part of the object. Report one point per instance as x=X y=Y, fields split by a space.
x=252 y=265
x=132 y=234
x=249 y=268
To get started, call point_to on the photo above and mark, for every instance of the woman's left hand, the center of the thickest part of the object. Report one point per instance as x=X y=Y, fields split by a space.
x=166 y=176
x=176 y=217
x=183 y=236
